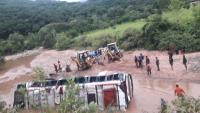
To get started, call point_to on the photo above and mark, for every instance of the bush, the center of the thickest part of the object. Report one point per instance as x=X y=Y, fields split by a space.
x=81 y=42
x=152 y=31
x=63 y=41
x=73 y=102
x=131 y=39
x=47 y=37
x=184 y=105
x=181 y=40
x=100 y=41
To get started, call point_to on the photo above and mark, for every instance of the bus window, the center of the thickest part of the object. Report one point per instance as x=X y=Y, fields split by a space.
x=93 y=79
x=110 y=77
x=62 y=82
x=50 y=83
x=80 y=80
x=116 y=77
x=36 y=84
x=102 y=78
x=21 y=86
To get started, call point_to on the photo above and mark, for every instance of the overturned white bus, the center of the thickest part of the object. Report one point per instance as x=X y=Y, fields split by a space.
x=114 y=90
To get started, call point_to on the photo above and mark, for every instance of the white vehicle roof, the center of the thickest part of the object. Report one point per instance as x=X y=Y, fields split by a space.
x=112 y=43
x=103 y=83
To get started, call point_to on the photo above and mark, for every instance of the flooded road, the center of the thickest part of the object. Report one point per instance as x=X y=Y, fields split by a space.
x=147 y=90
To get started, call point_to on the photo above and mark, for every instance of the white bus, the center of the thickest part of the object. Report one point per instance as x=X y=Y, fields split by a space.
x=105 y=89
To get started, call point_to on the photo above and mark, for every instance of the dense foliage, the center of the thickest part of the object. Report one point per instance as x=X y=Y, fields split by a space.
x=28 y=24
x=182 y=105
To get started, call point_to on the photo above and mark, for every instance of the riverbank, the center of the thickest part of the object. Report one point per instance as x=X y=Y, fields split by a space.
x=26 y=53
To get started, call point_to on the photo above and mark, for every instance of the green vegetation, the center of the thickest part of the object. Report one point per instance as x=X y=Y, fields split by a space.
x=152 y=24
x=183 y=105
x=175 y=27
x=182 y=16
x=117 y=30
x=26 y=24
x=73 y=103
x=39 y=74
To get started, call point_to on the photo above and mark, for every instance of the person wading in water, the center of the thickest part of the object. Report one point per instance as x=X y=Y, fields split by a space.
x=148 y=69
x=179 y=91
x=185 y=62
x=147 y=60
x=136 y=61
x=158 y=64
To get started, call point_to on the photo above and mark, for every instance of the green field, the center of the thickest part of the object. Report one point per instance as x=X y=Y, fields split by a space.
x=117 y=29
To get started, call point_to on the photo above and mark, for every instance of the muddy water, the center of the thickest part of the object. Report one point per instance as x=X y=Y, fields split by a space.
x=17 y=62
x=12 y=73
x=148 y=92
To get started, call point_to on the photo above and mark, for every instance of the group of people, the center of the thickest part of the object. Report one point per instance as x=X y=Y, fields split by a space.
x=171 y=60
x=139 y=62
x=57 y=67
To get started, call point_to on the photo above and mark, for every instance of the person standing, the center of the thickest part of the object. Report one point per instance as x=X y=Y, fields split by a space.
x=158 y=64
x=148 y=69
x=56 y=68
x=136 y=61
x=59 y=66
x=179 y=91
x=147 y=60
x=185 y=62
x=171 y=62
x=141 y=57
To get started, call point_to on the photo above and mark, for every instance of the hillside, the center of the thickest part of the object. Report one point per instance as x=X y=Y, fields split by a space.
x=117 y=30
x=182 y=16
x=173 y=26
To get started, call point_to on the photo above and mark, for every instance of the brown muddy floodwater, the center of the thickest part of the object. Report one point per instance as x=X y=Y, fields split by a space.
x=14 y=72
x=147 y=90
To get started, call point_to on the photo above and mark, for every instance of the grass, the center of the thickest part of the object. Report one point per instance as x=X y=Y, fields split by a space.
x=117 y=29
x=182 y=16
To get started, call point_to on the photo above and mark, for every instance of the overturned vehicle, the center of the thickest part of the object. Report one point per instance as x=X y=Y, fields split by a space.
x=104 y=89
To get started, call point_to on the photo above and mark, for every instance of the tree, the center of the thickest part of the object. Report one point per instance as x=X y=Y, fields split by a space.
x=31 y=41
x=196 y=13
x=17 y=42
x=176 y=4
x=39 y=74
x=73 y=103
x=63 y=41
x=47 y=37
x=161 y=5
x=131 y=39
x=152 y=30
